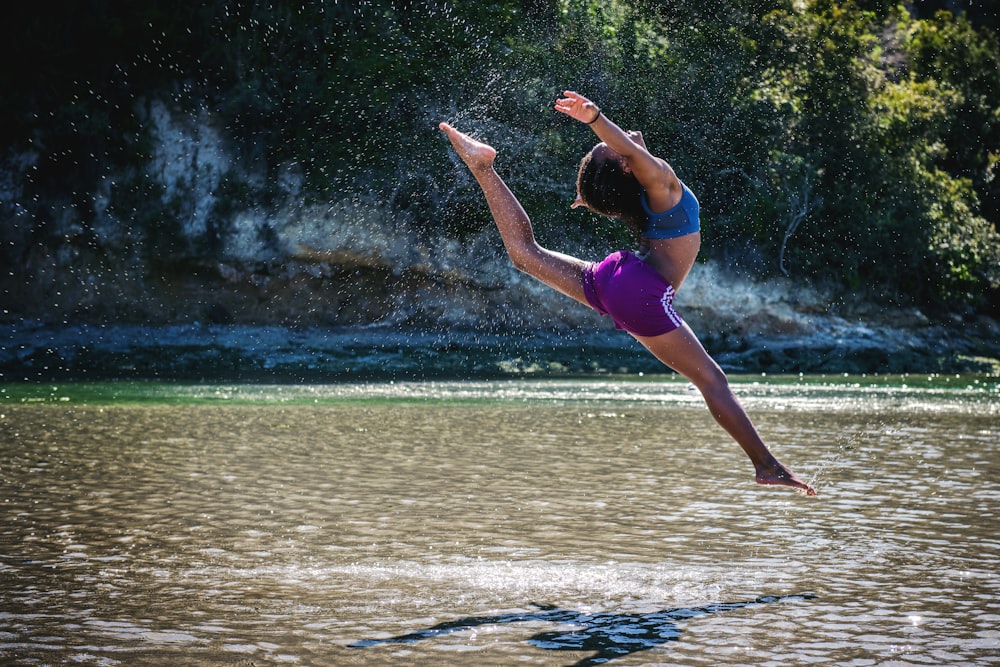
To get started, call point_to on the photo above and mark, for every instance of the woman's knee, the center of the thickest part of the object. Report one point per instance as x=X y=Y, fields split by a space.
x=683 y=352
x=709 y=377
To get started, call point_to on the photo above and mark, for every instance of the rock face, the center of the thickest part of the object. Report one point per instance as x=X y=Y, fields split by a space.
x=169 y=282
x=358 y=318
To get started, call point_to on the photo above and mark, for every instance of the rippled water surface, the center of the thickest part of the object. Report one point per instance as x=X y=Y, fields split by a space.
x=528 y=522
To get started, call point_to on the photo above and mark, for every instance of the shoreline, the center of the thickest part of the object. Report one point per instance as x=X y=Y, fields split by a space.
x=33 y=351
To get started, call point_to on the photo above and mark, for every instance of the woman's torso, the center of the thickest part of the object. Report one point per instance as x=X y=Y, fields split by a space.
x=672 y=237
x=672 y=258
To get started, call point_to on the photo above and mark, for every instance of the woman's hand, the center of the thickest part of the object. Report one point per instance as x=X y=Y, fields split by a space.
x=578 y=107
x=636 y=137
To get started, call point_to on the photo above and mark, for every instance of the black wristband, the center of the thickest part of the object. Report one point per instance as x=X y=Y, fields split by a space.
x=597 y=117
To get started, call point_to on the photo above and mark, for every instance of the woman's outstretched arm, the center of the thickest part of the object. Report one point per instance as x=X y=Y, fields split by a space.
x=663 y=189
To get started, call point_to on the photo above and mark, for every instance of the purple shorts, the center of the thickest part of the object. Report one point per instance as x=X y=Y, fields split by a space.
x=632 y=293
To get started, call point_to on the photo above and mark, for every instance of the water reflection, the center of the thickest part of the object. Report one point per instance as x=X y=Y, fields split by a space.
x=607 y=635
x=173 y=528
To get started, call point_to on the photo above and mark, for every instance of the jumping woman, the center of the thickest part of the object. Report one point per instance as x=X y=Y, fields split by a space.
x=621 y=179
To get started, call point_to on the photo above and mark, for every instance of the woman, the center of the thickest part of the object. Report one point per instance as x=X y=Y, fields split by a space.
x=619 y=177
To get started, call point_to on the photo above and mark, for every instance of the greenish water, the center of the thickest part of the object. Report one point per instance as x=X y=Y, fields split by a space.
x=545 y=522
x=968 y=388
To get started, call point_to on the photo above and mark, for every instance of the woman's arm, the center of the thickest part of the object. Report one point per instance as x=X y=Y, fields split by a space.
x=663 y=190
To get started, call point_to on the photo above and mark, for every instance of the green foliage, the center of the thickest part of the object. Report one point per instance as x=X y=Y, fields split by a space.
x=828 y=140
x=862 y=181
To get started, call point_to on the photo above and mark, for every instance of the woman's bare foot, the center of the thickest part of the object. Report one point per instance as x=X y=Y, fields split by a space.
x=778 y=474
x=475 y=154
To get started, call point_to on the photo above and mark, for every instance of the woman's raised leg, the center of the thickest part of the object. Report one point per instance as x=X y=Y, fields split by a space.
x=559 y=271
x=682 y=351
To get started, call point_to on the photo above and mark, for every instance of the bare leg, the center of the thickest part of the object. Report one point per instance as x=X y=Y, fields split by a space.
x=682 y=351
x=561 y=272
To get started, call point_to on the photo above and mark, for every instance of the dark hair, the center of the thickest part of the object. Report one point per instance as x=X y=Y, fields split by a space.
x=606 y=188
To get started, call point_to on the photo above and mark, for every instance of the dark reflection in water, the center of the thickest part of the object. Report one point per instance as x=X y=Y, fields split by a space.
x=609 y=635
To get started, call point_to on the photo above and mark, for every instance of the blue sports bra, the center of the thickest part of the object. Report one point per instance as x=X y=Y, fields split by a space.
x=678 y=221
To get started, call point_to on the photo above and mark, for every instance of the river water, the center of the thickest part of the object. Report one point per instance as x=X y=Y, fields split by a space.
x=540 y=522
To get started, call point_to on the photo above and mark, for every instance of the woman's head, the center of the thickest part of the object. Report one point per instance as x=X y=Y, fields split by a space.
x=605 y=185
